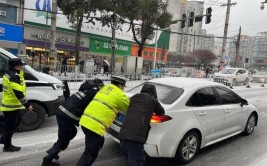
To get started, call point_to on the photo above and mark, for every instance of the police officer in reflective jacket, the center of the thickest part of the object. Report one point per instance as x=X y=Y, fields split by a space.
x=99 y=115
x=13 y=101
x=68 y=116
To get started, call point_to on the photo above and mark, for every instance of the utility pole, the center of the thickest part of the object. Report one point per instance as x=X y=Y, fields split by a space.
x=237 y=44
x=114 y=27
x=53 y=50
x=46 y=37
x=155 y=49
x=21 y=46
x=226 y=27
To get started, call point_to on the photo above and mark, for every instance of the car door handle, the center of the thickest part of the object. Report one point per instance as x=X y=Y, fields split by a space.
x=227 y=111
x=203 y=113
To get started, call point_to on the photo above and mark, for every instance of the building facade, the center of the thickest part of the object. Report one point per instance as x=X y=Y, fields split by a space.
x=259 y=51
x=175 y=7
x=11 y=28
x=95 y=40
x=187 y=38
x=206 y=41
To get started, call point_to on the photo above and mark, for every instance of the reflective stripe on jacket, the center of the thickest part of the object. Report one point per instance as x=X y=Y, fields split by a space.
x=102 y=110
x=9 y=100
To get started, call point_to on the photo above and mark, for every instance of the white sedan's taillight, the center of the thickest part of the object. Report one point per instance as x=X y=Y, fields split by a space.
x=160 y=119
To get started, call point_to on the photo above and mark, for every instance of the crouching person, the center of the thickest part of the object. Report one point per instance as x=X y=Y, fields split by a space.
x=68 y=116
x=136 y=126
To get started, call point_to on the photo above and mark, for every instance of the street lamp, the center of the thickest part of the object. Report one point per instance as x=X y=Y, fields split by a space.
x=262 y=4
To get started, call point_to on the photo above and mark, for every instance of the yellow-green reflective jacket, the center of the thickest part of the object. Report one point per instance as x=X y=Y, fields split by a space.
x=13 y=81
x=102 y=110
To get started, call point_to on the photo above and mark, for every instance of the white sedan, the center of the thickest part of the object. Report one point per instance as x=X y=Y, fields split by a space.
x=198 y=113
x=260 y=77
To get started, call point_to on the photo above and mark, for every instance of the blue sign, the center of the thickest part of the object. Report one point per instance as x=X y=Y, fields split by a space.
x=43 y=8
x=12 y=33
x=155 y=71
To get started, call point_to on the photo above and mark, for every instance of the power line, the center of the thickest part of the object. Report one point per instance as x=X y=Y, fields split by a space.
x=188 y=34
x=30 y=9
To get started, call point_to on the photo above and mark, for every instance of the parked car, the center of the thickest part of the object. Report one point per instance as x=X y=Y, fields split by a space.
x=232 y=76
x=253 y=71
x=260 y=76
x=44 y=93
x=172 y=74
x=198 y=113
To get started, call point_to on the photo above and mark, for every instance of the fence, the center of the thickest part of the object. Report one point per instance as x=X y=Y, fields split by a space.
x=76 y=75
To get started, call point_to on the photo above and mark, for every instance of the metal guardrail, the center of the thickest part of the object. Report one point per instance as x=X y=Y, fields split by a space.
x=71 y=73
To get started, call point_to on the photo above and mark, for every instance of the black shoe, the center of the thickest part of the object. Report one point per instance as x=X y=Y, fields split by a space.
x=49 y=155
x=47 y=162
x=1 y=141
x=56 y=157
x=11 y=148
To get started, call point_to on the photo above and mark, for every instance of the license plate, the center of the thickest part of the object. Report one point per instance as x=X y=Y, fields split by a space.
x=120 y=117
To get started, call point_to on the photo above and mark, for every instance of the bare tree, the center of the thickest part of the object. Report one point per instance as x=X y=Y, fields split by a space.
x=200 y=57
x=149 y=13
x=178 y=58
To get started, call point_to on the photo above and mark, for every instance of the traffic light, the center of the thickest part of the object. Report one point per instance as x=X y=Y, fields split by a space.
x=183 y=20
x=191 y=19
x=246 y=60
x=208 y=15
x=198 y=18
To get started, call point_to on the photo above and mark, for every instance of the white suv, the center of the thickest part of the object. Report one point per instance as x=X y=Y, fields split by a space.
x=232 y=76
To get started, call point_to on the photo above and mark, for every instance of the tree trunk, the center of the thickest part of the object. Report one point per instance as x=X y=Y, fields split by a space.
x=139 y=52
x=78 y=41
x=113 y=46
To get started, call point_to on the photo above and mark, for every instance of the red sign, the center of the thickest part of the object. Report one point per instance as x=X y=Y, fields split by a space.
x=148 y=53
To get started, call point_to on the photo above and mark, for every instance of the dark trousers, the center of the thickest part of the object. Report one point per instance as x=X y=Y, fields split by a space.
x=12 y=121
x=66 y=132
x=133 y=152
x=93 y=144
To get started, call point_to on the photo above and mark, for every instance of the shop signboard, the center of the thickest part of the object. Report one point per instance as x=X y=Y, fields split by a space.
x=103 y=46
x=148 y=53
x=39 y=10
x=11 y=33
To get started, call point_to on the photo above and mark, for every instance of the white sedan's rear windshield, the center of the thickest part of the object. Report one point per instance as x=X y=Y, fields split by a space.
x=166 y=94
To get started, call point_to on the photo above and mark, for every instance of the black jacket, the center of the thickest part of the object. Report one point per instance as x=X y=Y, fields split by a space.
x=141 y=108
x=74 y=106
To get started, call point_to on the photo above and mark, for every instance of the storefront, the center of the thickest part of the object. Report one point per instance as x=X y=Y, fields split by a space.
x=37 y=40
x=96 y=39
x=11 y=38
x=100 y=49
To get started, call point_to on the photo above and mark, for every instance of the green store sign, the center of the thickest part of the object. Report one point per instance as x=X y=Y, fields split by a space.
x=103 y=46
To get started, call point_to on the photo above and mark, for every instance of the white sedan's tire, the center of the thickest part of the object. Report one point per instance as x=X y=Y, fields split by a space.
x=188 y=148
x=251 y=123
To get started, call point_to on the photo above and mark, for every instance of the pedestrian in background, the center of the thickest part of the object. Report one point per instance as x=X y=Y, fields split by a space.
x=64 y=66
x=136 y=126
x=99 y=115
x=13 y=102
x=207 y=70
x=68 y=116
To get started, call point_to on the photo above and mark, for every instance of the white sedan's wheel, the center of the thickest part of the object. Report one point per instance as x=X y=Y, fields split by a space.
x=251 y=123
x=188 y=147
